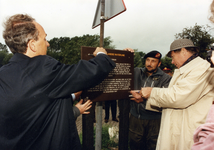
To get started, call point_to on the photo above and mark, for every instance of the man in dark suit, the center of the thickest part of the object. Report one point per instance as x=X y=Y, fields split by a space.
x=35 y=90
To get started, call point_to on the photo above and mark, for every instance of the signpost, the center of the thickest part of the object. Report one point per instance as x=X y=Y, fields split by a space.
x=115 y=87
x=99 y=105
x=112 y=8
x=105 y=11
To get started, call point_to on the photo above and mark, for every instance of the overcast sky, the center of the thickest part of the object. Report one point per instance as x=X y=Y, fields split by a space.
x=146 y=24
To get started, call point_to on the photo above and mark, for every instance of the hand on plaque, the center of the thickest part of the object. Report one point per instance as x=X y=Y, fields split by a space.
x=99 y=49
x=129 y=49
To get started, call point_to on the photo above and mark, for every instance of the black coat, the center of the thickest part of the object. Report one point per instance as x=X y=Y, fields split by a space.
x=35 y=105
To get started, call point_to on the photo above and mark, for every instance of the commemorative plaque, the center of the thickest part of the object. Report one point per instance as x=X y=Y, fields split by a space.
x=119 y=81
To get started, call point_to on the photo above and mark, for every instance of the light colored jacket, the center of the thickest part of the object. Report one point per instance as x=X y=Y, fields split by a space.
x=185 y=104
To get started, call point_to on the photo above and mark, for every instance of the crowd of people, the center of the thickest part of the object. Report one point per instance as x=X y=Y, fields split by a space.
x=167 y=112
x=184 y=103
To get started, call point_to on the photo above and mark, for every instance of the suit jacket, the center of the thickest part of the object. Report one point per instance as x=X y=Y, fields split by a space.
x=35 y=100
x=185 y=104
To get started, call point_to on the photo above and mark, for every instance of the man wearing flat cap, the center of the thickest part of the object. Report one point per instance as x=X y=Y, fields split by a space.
x=145 y=124
x=187 y=100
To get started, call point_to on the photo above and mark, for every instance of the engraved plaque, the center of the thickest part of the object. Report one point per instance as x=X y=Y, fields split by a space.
x=119 y=81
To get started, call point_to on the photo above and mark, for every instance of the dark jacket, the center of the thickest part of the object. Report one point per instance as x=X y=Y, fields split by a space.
x=35 y=100
x=157 y=79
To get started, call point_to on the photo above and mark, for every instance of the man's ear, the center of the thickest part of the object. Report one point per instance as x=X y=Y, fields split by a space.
x=183 y=50
x=31 y=45
x=159 y=64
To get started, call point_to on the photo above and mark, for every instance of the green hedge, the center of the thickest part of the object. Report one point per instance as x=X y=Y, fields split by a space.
x=106 y=142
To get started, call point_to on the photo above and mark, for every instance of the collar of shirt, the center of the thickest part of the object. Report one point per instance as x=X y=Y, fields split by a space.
x=191 y=58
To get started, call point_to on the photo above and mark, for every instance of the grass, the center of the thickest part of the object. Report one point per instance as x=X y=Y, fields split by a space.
x=106 y=142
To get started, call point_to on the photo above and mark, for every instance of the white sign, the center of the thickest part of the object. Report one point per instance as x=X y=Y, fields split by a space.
x=112 y=9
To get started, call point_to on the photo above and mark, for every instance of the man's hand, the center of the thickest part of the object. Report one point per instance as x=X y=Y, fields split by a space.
x=99 y=49
x=129 y=49
x=145 y=92
x=136 y=97
x=84 y=107
x=77 y=95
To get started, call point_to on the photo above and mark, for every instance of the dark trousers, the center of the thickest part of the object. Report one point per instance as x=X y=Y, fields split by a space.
x=113 y=104
x=143 y=134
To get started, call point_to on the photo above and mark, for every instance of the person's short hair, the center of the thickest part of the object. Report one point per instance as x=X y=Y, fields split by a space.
x=19 y=29
x=192 y=50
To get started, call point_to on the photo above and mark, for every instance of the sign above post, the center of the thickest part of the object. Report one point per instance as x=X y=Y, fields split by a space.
x=112 y=9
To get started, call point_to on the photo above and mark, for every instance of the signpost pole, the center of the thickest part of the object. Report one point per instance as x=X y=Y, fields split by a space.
x=99 y=106
x=102 y=20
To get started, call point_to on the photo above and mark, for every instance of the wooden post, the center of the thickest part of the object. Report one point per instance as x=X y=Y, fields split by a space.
x=88 y=130
x=124 y=107
x=99 y=106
